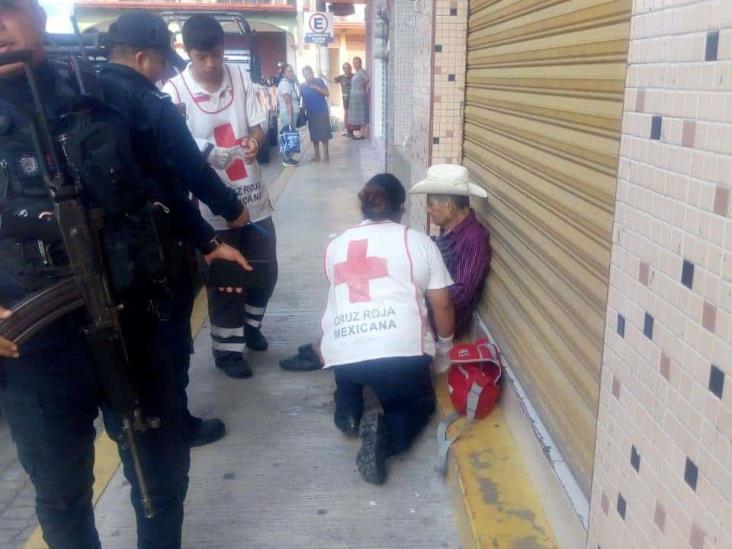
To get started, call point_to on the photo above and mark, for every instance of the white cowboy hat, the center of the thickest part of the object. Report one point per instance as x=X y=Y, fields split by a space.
x=448 y=179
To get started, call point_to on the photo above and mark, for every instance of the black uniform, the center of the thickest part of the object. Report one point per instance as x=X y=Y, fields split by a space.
x=160 y=135
x=52 y=394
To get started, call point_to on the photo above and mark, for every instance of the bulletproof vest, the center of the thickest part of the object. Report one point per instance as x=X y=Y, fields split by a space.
x=24 y=198
x=23 y=192
x=94 y=149
x=127 y=95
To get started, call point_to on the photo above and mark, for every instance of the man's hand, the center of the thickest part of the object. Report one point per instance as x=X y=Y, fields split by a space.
x=8 y=349
x=221 y=157
x=240 y=221
x=228 y=253
x=251 y=148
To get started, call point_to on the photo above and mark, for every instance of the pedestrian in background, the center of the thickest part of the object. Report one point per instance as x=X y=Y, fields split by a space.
x=314 y=91
x=289 y=103
x=278 y=75
x=345 y=81
x=358 y=104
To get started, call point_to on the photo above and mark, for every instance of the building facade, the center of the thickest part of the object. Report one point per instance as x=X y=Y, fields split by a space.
x=601 y=130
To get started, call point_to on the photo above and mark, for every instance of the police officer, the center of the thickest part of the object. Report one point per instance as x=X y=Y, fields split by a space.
x=139 y=44
x=49 y=388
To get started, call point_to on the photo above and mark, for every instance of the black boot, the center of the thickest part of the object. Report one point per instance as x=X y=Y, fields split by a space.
x=371 y=458
x=254 y=338
x=307 y=353
x=297 y=364
x=347 y=423
x=233 y=364
x=200 y=432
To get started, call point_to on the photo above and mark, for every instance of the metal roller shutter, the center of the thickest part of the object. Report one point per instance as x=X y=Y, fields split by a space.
x=544 y=98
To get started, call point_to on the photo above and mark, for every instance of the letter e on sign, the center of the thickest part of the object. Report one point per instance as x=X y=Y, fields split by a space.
x=318 y=23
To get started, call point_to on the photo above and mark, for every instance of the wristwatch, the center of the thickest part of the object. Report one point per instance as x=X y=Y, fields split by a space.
x=211 y=245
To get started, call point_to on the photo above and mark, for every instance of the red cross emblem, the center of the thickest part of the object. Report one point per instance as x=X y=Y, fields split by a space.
x=358 y=270
x=224 y=137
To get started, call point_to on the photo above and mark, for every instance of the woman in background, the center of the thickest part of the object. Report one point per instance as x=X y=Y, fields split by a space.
x=289 y=104
x=314 y=91
x=345 y=82
x=358 y=104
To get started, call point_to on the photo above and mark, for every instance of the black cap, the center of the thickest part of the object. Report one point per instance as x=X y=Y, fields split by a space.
x=141 y=29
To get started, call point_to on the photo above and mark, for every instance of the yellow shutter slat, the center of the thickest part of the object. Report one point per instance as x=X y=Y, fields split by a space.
x=543 y=106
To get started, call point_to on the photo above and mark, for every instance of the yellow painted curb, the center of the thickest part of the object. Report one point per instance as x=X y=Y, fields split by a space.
x=496 y=503
x=200 y=313
x=106 y=455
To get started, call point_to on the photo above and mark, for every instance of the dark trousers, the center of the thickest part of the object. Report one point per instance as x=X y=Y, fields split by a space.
x=403 y=386
x=229 y=313
x=175 y=327
x=51 y=396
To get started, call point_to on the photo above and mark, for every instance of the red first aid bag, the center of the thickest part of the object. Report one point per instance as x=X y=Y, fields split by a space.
x=473 y=378
x=473 y=384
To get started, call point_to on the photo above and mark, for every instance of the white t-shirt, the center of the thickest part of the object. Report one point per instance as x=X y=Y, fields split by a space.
x=378 y=274
x=222 y=119
x=285 y=87
x=430 y=273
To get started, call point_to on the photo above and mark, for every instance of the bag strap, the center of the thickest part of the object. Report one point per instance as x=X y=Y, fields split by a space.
x=443 y=440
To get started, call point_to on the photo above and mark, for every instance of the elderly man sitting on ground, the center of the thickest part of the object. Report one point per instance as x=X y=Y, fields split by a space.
x=463 y=242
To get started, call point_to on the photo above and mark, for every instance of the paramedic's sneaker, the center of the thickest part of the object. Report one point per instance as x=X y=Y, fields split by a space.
x=298 y=364
x=233 y=364
x=255 y=339
x=371 y=458
x=307 y=352
x=290 y=163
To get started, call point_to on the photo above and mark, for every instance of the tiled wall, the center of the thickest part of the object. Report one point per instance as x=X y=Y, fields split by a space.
x=419 y=69
x=663 y=463
x=432 y=60
x=451 y=25
x=402 y=33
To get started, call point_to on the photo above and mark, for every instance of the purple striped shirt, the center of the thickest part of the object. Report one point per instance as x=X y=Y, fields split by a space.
x=467 y=253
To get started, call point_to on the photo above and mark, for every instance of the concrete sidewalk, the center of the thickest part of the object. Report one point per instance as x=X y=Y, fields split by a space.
x=285 y=477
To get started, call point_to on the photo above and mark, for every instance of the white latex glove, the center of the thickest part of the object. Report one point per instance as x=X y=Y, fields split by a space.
x=221 y=157
x=441 y=361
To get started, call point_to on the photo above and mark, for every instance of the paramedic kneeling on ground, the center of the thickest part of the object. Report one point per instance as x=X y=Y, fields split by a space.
x=463 y=242
x=375 y=327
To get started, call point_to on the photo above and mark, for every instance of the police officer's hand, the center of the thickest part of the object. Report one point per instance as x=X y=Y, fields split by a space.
x=228 y=253
x=221 y=157
x=240 y=221
x=8 y=349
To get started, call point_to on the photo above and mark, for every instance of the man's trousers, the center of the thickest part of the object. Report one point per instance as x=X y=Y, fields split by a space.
x=51 y=396
x=230 y=313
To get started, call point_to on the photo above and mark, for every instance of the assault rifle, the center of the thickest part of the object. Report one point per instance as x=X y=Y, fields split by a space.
x=88 y=285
